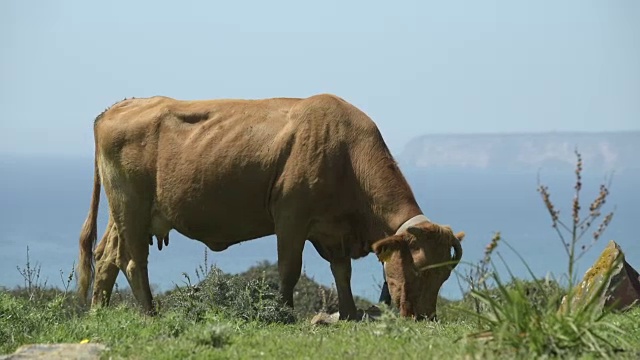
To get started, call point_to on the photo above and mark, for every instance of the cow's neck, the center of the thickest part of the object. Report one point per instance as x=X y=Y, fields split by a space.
x=392 y=200
x=401 y=217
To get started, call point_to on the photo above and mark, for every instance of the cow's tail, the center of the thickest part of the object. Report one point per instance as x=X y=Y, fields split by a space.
x=88 y=236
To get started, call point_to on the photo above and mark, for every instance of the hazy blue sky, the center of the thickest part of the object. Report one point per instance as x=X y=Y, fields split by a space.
x=414 y=66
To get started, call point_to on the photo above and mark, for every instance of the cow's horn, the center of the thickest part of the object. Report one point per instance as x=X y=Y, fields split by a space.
x=457 y=252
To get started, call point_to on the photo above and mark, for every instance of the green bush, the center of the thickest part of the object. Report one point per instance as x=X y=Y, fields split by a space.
x=251 y=295
x=309 y=297
x=253 y=300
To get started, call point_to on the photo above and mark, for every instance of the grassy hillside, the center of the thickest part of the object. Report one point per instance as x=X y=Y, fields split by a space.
x=239 y=317
x=217 y=315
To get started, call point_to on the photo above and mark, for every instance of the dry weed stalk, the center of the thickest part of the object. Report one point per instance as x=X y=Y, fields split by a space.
x=579 y=225
x=479 y=274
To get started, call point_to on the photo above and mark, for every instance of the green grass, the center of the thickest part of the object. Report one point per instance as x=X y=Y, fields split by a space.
x=192 y=324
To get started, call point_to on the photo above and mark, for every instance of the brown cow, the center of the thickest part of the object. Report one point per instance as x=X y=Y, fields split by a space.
x=227 y=171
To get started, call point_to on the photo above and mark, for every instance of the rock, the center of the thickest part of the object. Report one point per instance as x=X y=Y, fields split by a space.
x=627 y=292
x=325 y=318
x=372 y=313
x=57 y=351
x=621 y=288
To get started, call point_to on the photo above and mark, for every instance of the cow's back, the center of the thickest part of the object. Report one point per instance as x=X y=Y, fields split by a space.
x=217 y=168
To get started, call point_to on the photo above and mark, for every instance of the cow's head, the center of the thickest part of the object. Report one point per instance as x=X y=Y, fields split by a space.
x=416 y=263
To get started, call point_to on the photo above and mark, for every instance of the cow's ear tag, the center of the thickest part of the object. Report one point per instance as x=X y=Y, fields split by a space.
x=385 y=255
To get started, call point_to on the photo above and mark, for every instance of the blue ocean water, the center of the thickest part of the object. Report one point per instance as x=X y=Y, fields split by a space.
x=43 y=202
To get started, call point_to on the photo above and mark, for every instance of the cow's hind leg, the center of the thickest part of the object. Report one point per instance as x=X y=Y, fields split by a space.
x=133 y=260
x=131 y=211
x=106 y=267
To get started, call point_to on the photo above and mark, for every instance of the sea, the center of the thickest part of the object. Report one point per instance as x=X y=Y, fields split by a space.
x=45 y=199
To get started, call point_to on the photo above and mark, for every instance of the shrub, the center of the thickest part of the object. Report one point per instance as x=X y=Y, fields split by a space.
x=309 y=297
x=228 y=294
x=251 y=295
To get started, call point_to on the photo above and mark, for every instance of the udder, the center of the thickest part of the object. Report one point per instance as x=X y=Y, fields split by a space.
x=160 y=228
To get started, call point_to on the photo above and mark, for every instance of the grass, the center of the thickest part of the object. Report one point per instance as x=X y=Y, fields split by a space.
x=175 y=333
x=222 y=316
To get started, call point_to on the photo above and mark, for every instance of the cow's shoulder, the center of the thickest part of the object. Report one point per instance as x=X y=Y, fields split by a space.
x=327 y=108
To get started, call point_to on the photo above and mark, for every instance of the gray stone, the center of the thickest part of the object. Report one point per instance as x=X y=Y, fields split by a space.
x=86 y=351
x=626 y=293
x=621 y=288
x=323 y=318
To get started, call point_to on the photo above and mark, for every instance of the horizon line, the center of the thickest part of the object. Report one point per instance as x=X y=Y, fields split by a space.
x=546 y=132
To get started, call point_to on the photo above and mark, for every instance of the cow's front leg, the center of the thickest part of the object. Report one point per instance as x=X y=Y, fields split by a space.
x=341 y=269
x=289 y=265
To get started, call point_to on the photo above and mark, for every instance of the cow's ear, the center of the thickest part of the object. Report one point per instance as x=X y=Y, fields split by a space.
x=460 y=235
x=417 y=231
x=386 y=247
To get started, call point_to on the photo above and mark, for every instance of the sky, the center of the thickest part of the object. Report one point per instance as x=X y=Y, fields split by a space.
x=415 y=67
